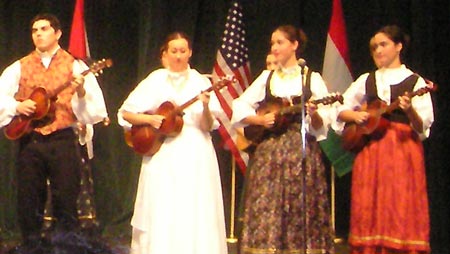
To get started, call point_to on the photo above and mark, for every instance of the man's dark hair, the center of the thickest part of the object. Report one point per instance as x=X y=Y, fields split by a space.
x=54 y=21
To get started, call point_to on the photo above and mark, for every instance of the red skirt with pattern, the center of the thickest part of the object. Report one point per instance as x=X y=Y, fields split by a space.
x=389 y=203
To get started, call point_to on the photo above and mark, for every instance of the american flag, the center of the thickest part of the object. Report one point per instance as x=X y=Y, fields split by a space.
x=232 y=60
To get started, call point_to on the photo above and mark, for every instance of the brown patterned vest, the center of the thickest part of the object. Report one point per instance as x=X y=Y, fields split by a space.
x=58 y=74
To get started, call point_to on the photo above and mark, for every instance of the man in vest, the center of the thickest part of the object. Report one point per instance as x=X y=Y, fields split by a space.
x=49 y=147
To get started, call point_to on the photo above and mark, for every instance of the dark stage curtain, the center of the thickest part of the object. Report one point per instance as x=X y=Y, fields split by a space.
x=131 y=32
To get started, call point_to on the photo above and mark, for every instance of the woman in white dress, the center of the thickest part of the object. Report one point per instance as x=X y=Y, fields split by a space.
x=178 y=207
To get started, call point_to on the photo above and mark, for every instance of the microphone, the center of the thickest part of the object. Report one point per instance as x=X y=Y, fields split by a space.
x=106 y=121
x=301 y=62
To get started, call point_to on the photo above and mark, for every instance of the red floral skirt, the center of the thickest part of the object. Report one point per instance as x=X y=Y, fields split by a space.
x=286 y=207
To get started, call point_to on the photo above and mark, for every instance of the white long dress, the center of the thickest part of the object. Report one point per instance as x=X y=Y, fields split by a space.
x=178 y=207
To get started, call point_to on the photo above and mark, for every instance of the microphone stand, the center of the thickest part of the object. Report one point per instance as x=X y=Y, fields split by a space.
x=303 y=163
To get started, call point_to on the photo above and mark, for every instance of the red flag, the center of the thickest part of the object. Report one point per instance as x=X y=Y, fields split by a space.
x=78 y=43
x=232 y=60
x=336 y=73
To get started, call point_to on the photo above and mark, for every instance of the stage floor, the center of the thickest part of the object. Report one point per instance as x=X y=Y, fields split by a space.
x=341 y=247
x=121 y=246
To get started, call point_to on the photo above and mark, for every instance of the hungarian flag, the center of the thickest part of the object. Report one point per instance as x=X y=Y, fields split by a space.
x=336 y=73
x=78 y=42
x=232 y=60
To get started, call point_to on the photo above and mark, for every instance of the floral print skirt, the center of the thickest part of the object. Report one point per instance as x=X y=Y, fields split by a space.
x=286 y=206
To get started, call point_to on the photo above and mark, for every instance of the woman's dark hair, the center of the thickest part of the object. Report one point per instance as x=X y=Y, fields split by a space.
x=174 y=36
x=162 y=49
x=52 y=19
x=295 y=34
x=396 y=34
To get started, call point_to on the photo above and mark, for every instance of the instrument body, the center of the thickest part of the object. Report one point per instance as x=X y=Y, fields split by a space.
x=356 y=136
x=147 y=140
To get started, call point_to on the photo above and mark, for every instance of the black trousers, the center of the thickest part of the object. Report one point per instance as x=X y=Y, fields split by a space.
x=55 y=157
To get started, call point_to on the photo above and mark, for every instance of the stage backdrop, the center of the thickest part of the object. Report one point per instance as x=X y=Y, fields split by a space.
x=131 y=32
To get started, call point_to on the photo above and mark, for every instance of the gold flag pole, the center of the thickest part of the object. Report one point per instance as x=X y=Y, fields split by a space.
x=333 y=205
x=232 y=238
x=333 y=201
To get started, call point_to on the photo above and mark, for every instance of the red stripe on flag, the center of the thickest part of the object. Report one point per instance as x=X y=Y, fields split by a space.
x=243 y=75
x=337 y=31
x=233 y=148
x=78 y=45
x=247 y=75
x=240 y=79
x=225 y=105
x=223 y=72
x=218 y=70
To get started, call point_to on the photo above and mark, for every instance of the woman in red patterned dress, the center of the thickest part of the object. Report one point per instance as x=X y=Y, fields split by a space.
x=389 y=205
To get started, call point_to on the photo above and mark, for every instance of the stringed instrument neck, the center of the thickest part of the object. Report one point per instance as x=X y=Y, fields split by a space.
x=188 y=103
x=95 y=68
x=394 y=105
x=325 y=101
